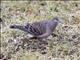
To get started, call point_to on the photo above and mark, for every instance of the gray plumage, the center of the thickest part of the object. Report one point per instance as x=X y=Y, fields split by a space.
x=41 y=29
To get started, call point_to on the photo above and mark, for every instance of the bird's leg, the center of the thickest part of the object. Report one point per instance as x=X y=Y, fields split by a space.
x=43 y=41
x=33 y=38
x=49 y=37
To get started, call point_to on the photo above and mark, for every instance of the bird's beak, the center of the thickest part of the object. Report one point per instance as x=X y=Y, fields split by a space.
x=61 y=21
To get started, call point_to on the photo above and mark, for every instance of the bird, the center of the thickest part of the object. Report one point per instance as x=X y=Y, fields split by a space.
x=40 y=29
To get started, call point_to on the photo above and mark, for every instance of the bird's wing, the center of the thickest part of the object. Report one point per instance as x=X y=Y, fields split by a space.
x=38 y=27
x=47 y=32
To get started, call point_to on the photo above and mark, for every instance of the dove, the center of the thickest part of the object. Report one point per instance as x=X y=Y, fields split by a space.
x=41 y=29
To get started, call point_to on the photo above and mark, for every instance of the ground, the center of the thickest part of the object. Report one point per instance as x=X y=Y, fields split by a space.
x=64 y=43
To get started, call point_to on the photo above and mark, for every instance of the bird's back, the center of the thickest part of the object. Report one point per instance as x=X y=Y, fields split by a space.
x=41 y=26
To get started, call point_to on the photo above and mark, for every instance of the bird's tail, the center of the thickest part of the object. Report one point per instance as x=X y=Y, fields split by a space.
x=27 y=28
x=20 y=27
